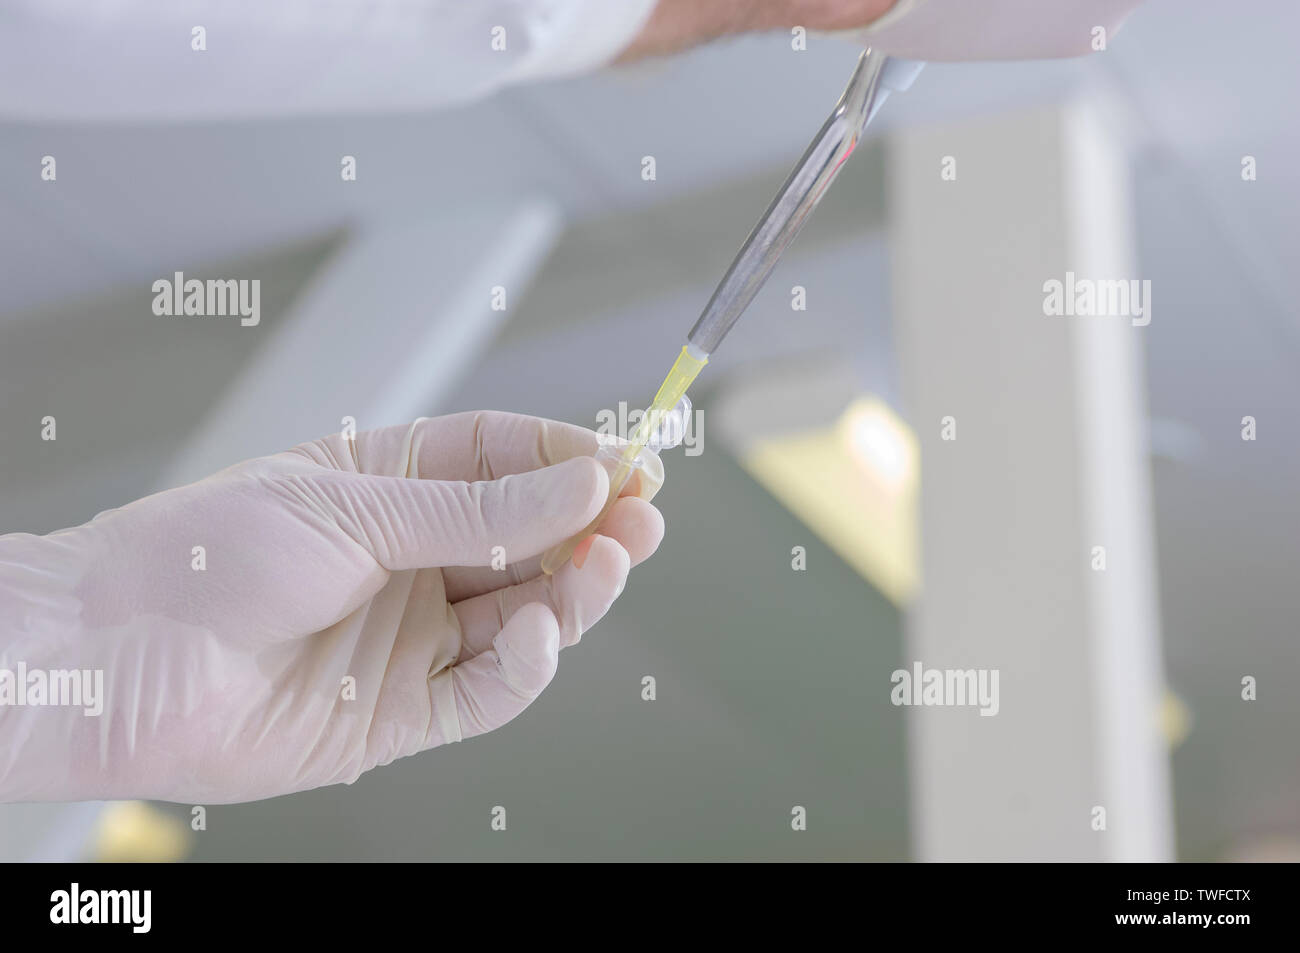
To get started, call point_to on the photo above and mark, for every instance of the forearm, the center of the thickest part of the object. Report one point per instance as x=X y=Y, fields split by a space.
x=678 y=24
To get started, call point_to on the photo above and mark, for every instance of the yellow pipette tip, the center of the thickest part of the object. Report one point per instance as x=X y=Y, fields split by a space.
x=681 y=375
x=685 y=369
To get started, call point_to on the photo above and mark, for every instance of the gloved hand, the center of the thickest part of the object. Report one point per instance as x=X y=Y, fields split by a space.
x=343 y=610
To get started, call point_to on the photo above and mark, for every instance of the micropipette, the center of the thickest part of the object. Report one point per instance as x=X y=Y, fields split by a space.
x=874 y=77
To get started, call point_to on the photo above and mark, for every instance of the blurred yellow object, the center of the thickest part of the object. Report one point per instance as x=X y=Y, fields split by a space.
x=1175 y=720
x=854 y=484
x=135 y=832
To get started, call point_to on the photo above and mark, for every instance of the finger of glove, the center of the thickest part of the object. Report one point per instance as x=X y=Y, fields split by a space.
x=478 y=445
x=579 y=598
x=415 y=524
x=487 y=691
x=636 y=525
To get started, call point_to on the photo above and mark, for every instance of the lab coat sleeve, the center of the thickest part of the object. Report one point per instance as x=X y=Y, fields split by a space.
x=177 y=59
x=966 y=30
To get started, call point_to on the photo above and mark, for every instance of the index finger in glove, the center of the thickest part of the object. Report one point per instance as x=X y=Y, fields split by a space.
x=474 y=446
x=464 y=582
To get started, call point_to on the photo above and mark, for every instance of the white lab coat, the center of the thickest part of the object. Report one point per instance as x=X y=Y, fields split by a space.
x=178 y=59
x=141 y=59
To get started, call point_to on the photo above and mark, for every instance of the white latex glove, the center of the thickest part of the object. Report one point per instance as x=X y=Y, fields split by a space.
x=325 y=564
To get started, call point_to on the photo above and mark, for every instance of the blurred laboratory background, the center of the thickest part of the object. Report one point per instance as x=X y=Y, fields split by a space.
x=826 y=534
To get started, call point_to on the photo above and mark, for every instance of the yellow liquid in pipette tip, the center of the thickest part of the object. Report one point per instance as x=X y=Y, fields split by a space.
x=685 y=369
